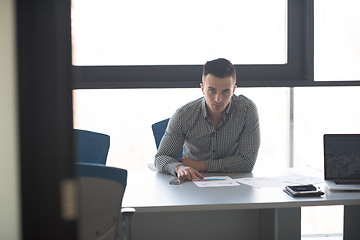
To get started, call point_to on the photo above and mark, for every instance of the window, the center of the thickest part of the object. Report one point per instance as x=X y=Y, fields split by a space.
x=264 y=39
x=127 y=114
x=328 y=225
x=337 y=38
x=161 y=32
x=318 y=111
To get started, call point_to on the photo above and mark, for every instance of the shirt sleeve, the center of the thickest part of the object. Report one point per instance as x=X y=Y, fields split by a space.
x=170 y=146
x=247 y=150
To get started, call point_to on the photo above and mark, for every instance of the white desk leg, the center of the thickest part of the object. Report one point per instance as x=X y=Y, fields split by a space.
x=351 y=222
x=280 y=224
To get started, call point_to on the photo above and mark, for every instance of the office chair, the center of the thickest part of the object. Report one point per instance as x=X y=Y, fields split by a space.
x=92 y=147
x=158 y=132
x=101 y=190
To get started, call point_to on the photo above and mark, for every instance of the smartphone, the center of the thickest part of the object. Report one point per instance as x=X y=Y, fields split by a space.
x=176 y=181
x=299 y=190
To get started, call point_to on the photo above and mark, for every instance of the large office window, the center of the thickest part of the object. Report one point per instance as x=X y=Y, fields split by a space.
x=127 y=115
x=162 y=32
x=337 y=40
x=320 y=110
x=161 y=44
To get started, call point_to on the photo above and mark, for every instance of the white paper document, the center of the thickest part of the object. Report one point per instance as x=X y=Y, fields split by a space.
x=261 y=182
x=279 y=181
x=218 y=181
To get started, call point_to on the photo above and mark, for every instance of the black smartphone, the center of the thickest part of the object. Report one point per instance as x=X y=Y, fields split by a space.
x=301 y=190
x=176 y=181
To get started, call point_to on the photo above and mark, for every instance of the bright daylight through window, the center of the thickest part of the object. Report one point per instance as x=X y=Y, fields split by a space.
x=162 y=32
x=337 y=38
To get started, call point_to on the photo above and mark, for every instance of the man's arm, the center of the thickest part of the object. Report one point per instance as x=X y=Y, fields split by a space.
x=170 y=146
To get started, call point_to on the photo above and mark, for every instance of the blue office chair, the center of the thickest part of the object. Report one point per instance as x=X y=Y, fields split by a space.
x=92 y=147
x=159 y=131
x=101 y=190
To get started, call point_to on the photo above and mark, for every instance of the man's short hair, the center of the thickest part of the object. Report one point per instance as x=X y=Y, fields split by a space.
x=220 y=68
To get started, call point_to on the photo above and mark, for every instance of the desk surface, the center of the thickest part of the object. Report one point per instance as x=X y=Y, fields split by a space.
x=150 y=192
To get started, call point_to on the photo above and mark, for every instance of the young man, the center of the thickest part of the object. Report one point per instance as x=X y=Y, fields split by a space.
x=218 y=132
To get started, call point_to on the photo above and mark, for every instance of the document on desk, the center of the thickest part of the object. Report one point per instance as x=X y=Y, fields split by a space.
x=218 y=181
x=279 y=181
x=261 y=182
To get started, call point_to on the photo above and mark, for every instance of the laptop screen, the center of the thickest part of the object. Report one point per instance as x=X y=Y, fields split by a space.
x=342 y=156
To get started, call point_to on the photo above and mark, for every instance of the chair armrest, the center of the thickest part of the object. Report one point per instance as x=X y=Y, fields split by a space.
x=128 y=212
x=151 y=166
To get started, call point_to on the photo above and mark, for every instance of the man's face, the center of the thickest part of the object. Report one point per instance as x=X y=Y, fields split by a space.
x=218 y=92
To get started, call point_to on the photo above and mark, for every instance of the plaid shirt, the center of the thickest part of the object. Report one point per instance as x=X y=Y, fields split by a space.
x=231 y=147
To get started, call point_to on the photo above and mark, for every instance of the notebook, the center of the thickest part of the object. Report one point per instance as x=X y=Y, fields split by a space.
x=342 y=161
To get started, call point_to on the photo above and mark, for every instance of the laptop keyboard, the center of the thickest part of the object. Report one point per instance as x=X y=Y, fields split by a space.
x=347 y=182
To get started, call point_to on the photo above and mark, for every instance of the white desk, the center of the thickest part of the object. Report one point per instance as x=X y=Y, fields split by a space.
x=260 y=213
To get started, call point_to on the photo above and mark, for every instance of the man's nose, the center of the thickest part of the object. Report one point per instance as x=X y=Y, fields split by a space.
x=218 y=97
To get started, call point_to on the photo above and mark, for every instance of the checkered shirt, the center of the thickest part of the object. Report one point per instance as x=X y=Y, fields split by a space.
x=231 y=147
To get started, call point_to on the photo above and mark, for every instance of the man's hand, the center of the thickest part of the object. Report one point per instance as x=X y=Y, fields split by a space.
x=188 y=173
x=195 y=164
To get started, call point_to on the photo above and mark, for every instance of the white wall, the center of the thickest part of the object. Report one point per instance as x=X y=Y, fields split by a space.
x=9 y=168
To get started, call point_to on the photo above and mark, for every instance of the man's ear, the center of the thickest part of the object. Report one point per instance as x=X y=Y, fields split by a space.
x=234 y=88
x=202 y=88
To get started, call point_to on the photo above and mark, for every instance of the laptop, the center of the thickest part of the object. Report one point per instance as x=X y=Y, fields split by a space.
x=342 y=161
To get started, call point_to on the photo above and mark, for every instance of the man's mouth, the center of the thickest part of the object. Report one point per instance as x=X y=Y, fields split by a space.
x=217 y=105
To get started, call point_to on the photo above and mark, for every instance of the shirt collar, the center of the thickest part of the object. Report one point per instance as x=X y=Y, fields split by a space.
x=226 y=112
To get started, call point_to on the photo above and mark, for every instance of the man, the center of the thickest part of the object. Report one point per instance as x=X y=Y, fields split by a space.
x=218 y=132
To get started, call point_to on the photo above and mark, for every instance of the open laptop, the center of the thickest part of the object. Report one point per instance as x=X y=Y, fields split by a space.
x=342 y=161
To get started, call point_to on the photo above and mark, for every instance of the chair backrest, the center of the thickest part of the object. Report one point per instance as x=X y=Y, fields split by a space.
x=91 y=147
x=159 y=131
x=101 y=190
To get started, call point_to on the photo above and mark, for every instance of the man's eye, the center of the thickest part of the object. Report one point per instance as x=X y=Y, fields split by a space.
x=212 y=90
x=226 y=91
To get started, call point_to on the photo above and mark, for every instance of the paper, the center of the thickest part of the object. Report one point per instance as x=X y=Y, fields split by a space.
x=218 y=181
x=261 y=182
x=300 y=179
x=280 y=181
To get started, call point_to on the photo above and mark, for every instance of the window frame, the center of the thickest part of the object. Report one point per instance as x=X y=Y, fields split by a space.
x=299 y=70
